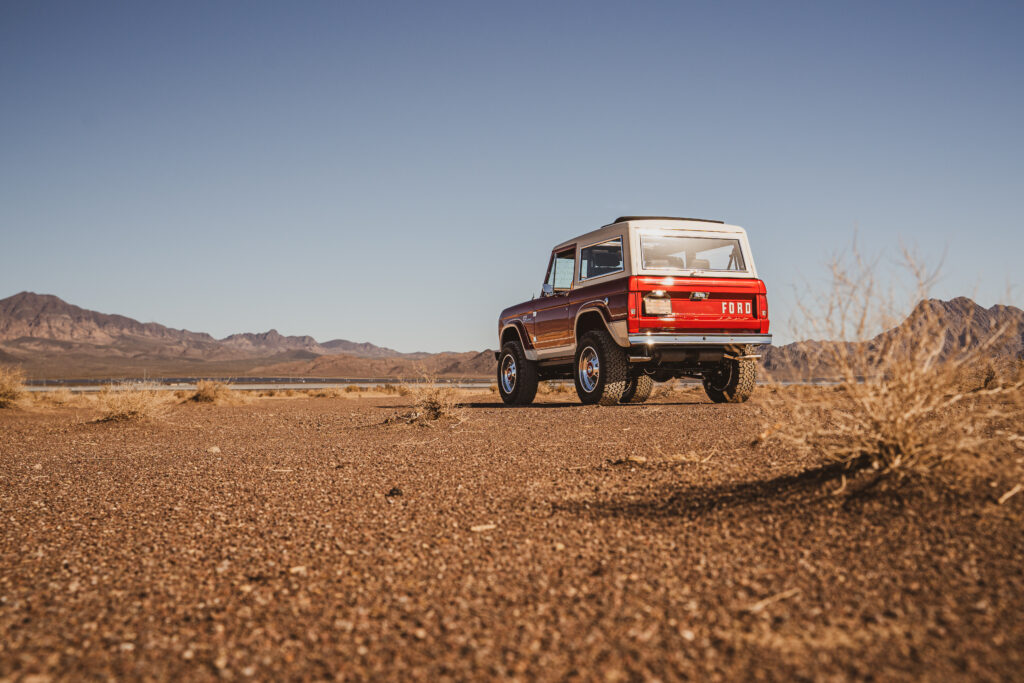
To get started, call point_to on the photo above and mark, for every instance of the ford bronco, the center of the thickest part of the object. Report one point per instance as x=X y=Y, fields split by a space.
x=644 y=299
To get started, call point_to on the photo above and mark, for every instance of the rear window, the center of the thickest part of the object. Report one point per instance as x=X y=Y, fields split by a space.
x=601 y=259
x=676 y=252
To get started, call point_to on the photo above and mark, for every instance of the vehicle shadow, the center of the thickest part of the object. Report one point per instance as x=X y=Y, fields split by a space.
x=574 y=404
x=499 y=404
x=812 y=486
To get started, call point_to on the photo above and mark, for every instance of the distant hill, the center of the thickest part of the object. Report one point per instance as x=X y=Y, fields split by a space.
x=468 y=364
x=49 y=337
x=967 y=326
x=52 y=338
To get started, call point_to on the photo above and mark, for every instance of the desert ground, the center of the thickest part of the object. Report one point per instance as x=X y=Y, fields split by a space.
x=330 y=538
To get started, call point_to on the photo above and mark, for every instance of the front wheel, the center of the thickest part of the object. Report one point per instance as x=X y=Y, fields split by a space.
x=732 y=382
x=602 y=369
x=517 y=376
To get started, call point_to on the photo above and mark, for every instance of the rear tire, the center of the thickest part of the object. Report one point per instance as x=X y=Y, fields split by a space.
x=638 y=389
x=733 y=382
x=601 y=370
x=517 y=376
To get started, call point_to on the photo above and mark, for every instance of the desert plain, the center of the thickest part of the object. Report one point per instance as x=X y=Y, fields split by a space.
x=331 y=539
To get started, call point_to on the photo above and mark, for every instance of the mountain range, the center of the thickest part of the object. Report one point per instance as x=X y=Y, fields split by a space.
x=966 y=326
x=51 y=338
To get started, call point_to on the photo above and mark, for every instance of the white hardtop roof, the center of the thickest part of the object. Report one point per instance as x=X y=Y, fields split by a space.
x=658 y=223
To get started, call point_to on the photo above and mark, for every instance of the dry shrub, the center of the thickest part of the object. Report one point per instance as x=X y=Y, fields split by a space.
x=351 y=389
x=326 y=392
x=552 y=387
x=493 y=387
x=387 y=388
x=122 y=402
x=432 y=401
x=56 y=397
x=212 y=391
x=906 y=400
x=12 y=385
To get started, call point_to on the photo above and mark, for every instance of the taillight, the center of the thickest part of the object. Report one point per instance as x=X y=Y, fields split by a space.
x=762 y=306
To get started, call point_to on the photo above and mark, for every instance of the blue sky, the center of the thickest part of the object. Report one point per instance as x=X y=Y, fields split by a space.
x=397 y=172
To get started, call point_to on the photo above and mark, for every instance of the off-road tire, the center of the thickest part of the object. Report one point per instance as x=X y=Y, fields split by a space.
x=638 y=390
x=613 y=369
x=523 y=387
x=736 y=381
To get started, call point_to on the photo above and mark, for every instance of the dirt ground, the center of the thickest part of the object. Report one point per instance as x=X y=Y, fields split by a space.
x=314 y=539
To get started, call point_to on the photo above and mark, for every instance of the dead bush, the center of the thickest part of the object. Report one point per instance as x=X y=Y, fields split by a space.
x=123 y=402
x=55 y=397
x=326 y=392
x=553 y=387
x=907 y=400
x=212 y=391
x=432 y=401
x=12 y=385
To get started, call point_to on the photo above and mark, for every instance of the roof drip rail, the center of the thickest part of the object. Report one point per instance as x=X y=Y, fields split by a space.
x=623 y=219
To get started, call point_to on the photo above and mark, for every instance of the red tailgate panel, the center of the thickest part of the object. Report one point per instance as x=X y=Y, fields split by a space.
x=731 y=305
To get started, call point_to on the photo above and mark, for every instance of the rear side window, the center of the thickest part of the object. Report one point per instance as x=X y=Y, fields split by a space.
x=601 y=259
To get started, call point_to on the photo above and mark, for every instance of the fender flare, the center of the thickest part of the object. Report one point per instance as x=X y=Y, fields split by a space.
x=531 y=353
x=617 y=329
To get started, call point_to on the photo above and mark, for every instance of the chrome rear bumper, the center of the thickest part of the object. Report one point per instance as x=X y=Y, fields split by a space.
x=655 y=339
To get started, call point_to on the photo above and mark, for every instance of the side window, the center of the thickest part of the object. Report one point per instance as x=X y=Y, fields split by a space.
x=601 y=259
x=560 y=275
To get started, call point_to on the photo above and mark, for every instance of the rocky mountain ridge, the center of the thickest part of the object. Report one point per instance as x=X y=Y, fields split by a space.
x=51 y=337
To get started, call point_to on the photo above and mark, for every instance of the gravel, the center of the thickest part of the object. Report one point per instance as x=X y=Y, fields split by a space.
x=315 y=539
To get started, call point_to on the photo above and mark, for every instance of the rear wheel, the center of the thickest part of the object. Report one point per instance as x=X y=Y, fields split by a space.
x=733 y=381
x=517 y=376
x=638 y=389
x=601 y=369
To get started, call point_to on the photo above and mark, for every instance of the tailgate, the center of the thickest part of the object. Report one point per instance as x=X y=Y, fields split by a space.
x=697 y=304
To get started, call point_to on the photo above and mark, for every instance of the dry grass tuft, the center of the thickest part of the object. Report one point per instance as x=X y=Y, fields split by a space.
x=56 y=397
x=904 y=403
x=12 y=385
x=124 y=402
x=432 y=401
x=552 y=387
x=212 y=391
x=326 y=392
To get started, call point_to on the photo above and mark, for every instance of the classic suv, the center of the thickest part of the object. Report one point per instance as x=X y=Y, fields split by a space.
x=644 y=299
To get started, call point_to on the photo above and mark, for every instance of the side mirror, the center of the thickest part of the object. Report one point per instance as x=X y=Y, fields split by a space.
x=547 y=289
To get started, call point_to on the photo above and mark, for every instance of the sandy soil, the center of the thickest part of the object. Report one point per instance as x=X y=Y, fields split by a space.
x=311 y=539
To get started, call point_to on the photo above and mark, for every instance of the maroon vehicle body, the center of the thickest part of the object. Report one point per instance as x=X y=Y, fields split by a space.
x=641 y=282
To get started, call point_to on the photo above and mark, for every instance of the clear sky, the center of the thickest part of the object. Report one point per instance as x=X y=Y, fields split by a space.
x=397 y=172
